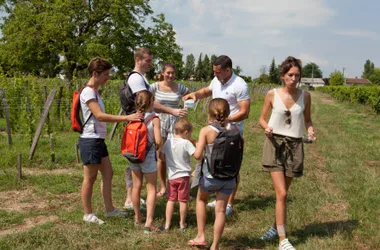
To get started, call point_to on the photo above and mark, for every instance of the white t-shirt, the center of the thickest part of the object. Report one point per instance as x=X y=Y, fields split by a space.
x=233 y=91
x=137 y=82
x=177 y=153
x=93 y=128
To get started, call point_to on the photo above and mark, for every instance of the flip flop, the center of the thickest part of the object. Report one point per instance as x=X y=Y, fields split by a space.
x=151 y=229
x=196 y=243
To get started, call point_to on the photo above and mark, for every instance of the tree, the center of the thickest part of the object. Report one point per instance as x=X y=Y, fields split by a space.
x=311 y=70
x=67 y=34
x=189 y=67
x=375 y=76
x=237 y=70
x=207 y=68
x=212 y=59
x=160 y=38
x=263 y=69
x=262 y=79
x=369 y=68
x=199 y=69
x=274 y=73
x=336 y=78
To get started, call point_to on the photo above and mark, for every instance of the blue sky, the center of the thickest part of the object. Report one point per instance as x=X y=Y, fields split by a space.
x=334 y=34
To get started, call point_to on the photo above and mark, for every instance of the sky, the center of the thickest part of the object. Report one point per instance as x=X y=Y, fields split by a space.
x=335 y=34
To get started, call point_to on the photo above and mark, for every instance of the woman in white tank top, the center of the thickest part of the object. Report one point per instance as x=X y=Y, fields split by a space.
x=283 y=148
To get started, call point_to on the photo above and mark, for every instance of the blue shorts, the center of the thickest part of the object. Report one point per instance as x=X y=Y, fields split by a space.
x=92 y=150
x=211 y=185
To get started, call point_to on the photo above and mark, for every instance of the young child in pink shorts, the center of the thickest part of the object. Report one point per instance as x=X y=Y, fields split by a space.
x=176 y=153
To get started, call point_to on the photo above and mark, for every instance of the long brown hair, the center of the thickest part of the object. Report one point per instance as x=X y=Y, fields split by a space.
x=144 y=99
x=219 y=110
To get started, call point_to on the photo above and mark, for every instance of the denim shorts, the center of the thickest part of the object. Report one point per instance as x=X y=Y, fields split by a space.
x=211 y=185
x=92 y=150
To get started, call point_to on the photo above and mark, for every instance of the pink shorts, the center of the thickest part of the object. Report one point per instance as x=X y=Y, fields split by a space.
x=179 y=189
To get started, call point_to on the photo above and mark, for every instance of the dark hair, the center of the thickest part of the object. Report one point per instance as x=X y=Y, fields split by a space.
x=181 y=126
x=224 y=62
x=219 y=110
x=99 y=65
x=164 y=66
x=143 y=100
x=139 y=53
x=289 y=63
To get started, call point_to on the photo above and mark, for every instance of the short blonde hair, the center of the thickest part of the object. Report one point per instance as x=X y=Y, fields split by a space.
x=181 y=126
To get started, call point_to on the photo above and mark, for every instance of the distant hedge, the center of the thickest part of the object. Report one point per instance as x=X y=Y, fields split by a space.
x=368 y=95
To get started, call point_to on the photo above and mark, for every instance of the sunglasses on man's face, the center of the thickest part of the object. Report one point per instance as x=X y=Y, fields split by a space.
x=288 y=119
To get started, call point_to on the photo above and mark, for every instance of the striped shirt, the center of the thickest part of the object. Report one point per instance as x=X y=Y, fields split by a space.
x=168 y=99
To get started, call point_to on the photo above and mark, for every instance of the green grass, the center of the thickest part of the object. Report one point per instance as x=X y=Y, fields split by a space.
x=335 y=205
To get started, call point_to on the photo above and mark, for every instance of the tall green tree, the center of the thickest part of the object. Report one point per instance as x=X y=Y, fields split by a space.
x=274 y=74
x=336 y=78
x=207 y=68
x=189 y=67
x=199 y=69
x=311 y=70
x=160 y=38
x=67 y=34
x=212 y=59
x=369 y=68
x=237 y=70
x=375 y=76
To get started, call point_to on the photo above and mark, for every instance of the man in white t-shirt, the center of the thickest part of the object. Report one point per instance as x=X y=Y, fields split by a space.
x=235 y=91
x=137 y=82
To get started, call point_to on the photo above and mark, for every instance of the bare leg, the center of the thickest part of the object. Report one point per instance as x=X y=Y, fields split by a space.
x=220 y=218
x=129 y=185
x=137 y=176
x=281 y=185
x=182 y=214
x=89 y=178
x=161 y=168
x=106 y=184
x=169 y=213
x=202 y=198
x=151 y=182
x=232 y=195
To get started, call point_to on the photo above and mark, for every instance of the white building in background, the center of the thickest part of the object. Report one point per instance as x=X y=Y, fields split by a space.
x=314 y=82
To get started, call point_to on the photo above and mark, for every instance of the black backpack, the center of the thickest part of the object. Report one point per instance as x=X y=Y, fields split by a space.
x=127 y=98
x=226 y=155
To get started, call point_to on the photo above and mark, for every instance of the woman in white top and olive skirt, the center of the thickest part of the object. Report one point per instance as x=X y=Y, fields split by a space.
x=283 y=153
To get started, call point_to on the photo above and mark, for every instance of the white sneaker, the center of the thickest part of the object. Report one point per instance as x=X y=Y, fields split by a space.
x=92 y=219
x=270 y=234
x=115 y=213
x=211 y=204
x=285 y=245
x=229 y=210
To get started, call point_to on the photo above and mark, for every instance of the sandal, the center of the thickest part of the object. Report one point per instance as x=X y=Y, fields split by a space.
x=162 y=229
x=151 y=229
x=139 y=222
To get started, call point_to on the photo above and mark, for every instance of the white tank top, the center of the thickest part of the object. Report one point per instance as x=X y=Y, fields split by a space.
x=278 y=117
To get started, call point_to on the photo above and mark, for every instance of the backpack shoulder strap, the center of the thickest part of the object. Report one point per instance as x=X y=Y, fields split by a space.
x=133 y=72
x=96 y=96
x=216 y=127
x=149 y=118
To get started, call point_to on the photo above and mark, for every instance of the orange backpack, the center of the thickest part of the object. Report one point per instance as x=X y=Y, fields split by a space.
x=76 y=121
x=135 y=143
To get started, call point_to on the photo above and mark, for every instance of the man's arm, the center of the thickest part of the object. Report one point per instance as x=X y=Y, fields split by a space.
x=200 y=94
x=244 y=108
